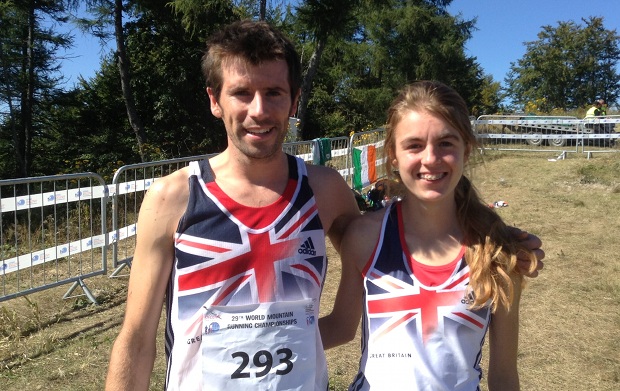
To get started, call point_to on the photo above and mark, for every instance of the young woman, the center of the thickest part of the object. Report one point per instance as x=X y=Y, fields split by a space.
x=439 y=267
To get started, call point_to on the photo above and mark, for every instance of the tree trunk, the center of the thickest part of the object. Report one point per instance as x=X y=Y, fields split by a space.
x=306 y=85
x=22 y=135
x=263 y=10
x=123 y=68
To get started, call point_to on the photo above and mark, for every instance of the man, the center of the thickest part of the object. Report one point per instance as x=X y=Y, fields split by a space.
x=602 y=107
x=599 y=108
x=259 y=217
x=239 y=253
x=607 y=128
x=595 y=110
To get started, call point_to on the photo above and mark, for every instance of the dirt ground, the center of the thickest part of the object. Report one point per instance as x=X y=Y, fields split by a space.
x=570 y=314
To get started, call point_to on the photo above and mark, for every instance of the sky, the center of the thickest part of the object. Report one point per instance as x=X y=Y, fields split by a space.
x=502 y=28
x=504 y=25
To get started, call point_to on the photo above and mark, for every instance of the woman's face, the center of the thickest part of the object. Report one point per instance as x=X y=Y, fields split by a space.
x=430 y=156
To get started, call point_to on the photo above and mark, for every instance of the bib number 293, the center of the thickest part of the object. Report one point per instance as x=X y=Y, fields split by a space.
x=263 y=361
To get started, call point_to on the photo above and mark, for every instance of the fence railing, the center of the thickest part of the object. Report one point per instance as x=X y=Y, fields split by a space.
x=549 y=134
x=127 y=190
x=54 y=232
x=366 y=150
x=125 y=193
x=58 y=230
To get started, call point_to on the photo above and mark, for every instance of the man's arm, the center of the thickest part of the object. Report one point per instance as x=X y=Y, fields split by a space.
x=504 y=345
x=337 y=209
x=533 y=243
x=133 y=353
x=335 y=201
x=340 y=326
x=358 y=243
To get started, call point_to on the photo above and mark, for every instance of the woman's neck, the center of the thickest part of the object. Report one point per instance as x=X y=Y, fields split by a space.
x=432 y=231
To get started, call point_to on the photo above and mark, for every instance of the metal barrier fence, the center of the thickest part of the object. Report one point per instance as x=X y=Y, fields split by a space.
x=54 y=230
x=340 y=156
x=129 y=184
x=339 y=153
x=126 y=193
x=370 y=144
x=549 y=134
x=302 y=149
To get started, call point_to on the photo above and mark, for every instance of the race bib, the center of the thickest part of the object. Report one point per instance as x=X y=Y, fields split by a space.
x=268 y=346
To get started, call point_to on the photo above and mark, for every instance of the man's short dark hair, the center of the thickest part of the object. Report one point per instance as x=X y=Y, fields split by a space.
x=251 y=42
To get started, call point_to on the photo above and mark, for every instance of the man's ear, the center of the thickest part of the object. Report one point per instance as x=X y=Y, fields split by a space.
x=215 y=107
x=294 y=104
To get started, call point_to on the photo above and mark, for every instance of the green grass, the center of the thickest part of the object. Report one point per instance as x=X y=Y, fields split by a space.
x=570 y=314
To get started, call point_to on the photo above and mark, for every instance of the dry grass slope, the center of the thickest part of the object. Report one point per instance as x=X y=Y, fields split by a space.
x=570 y=332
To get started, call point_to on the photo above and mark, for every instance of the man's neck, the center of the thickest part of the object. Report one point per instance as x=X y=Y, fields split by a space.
x=251 y=182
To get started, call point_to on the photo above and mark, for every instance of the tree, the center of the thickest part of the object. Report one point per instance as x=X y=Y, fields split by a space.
x=263 y=9
x=366 y=54
x=86 y=130
x=9 y=81
x=324 y=19
x=372 y=49
x=168 y=83
x=29 y=68
x=567 y=67
x=394 y=42
x=417 y=40
x=124 y=70
x=110 y=13
x=490 y=97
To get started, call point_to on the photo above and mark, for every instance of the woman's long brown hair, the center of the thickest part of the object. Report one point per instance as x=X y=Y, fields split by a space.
x=491 y=249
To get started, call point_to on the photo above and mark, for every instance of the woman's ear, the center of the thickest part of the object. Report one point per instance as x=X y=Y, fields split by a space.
x=468 y=150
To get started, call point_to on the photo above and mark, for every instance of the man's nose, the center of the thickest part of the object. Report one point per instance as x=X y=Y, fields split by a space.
x=257 y=106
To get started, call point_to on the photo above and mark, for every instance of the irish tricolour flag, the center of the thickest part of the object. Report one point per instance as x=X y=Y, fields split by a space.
x=364 y=173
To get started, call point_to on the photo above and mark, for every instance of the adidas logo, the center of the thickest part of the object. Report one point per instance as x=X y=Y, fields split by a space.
x=307 y=247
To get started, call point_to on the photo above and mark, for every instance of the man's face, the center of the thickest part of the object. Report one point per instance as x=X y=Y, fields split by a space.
x=255 y=103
